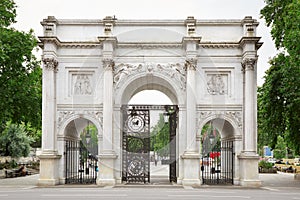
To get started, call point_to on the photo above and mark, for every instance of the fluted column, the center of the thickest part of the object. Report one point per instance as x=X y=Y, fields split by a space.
x=250 y=132
x=49 y=156
x=49 y=105
x=107 y=154
x=191 y=156
x=108 y=65
x=190 y=65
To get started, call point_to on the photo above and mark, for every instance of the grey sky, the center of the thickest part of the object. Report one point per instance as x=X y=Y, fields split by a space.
x=31 y=12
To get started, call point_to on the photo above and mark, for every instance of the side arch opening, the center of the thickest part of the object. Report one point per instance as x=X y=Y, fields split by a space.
x=217 y=152
x=81 y=152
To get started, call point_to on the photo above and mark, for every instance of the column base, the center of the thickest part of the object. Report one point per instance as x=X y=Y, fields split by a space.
x=249 y=170
x=49 y=174
x=106 y=169
x=106 y=182
x=191 y=164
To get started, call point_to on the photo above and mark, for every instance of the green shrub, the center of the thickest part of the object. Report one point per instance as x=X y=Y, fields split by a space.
x=264 y=164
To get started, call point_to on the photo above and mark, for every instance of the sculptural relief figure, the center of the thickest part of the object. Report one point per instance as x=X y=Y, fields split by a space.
x=178 y=73
x=124 y=70
x=216 y=85
x=82 y=85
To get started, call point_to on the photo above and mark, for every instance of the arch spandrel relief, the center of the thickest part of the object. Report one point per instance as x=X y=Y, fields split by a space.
x=175 y=71
x=65 y=115
x=234 y=116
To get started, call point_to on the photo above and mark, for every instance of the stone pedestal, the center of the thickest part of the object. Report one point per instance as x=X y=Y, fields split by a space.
x=106 y=168
x=191 y=173
x=49 y=174
x=249 y=170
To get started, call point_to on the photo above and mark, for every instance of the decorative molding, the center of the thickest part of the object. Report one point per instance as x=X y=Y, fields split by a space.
x=108 y=64
x=173 y=70
x=190 y=64
x=64 y=115
x=50 y=64
x=234 y=115
x=216 y=85
x=248 y=64
x=219 y=45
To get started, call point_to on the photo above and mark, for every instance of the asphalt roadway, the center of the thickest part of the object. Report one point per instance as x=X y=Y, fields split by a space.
x=275 y=186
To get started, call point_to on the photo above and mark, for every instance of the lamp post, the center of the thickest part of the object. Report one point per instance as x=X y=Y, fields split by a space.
x=88 y=139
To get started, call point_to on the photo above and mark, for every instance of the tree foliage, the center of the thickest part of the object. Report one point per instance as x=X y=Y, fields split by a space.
x=160 y=137
x=14 y=141
x=20 y=72
x=279 y=97
x=280 y=148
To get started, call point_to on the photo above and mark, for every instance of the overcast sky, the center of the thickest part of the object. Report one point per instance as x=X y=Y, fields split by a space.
x=31 y=12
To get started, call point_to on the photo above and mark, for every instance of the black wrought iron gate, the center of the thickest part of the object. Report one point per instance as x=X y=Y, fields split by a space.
x=81 y=163
x=172 y=111
x=217 y=164
x=136 y=142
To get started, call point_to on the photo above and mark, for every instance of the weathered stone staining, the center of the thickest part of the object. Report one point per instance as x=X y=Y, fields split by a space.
x=93 y=67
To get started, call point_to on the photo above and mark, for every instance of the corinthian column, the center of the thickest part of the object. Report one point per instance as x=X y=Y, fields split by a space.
x=49 y=156
x=250 y=133
x=249 y=158
x=107 y=155
x=49 y=105
x=190 y=66
x=108 y=65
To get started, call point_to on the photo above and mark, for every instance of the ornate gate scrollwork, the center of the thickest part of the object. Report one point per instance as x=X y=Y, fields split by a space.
x=136 y=141
x=136 y=145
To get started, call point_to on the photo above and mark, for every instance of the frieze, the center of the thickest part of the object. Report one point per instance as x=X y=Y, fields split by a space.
x=236 y=116
x=173 y=70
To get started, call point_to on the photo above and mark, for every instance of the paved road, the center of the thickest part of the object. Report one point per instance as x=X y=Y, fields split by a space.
x=275 y=187
x=229 y=193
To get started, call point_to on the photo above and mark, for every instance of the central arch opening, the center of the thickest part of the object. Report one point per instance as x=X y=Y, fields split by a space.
x=161 y=137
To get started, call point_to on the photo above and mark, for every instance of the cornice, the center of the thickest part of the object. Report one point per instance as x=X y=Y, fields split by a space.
x=249 y=40
x=79 y=106
x=218 y=45
x=57 y=42
x=48 y=39
x=206 y=107
x=147 y=22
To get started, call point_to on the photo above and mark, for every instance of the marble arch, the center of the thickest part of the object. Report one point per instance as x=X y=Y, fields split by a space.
x=92 y=67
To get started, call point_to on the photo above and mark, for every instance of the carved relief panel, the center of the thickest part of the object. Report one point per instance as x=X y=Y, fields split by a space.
x=218 y=82
x=81 y=83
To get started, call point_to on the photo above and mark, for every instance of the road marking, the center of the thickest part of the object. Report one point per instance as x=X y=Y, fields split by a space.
x=84 y=195
x=271 y=189
x=209 y=196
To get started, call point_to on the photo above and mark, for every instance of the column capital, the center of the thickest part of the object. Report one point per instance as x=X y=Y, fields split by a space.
x=50 y=64
x=108 y=64
x=248 y=64
x=190 y=64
